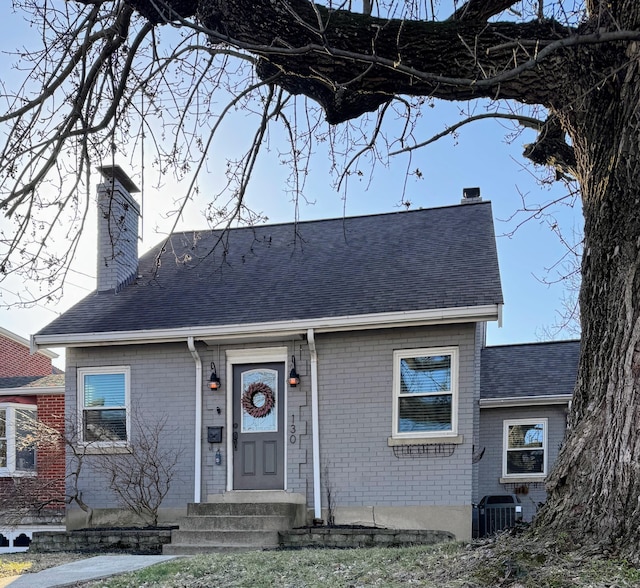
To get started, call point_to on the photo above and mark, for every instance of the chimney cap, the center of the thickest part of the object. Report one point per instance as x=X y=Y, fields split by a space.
x=110 y=172
x=470 y=193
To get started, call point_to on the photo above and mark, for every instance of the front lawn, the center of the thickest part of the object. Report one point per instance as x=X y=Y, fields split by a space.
x=517 y=562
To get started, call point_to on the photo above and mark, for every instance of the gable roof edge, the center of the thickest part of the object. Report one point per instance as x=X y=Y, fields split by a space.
x=542 y=400
x=463 y=314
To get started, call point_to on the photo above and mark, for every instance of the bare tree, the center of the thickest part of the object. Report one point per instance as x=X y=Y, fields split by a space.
x=25 y=497
x=330 y=494
x=570 y=69
x=28 y=496
x=76 y=457
x=142 y=477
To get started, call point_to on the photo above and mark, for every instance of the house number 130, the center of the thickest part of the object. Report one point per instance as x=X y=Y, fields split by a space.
x=292 y=429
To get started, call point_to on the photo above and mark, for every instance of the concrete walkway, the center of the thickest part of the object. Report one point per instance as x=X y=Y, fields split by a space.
x=84 y=570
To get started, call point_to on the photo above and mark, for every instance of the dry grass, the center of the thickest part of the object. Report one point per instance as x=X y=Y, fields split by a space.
x=514 y=562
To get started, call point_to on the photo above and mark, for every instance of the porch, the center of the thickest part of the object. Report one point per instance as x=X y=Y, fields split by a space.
x=241 y=520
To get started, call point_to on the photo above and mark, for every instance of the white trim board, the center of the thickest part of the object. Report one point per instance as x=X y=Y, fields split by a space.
x=525 y=401
x=281 y=329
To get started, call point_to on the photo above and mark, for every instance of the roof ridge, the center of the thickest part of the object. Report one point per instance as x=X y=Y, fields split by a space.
x=331 y=219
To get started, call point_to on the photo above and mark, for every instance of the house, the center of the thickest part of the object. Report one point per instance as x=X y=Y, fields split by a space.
x=332 y=364
x=32 y=478
x=525 y=391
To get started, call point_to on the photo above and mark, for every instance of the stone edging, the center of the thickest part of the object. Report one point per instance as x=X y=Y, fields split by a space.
x=150 y=541
x=337 y=537
x=139 y=541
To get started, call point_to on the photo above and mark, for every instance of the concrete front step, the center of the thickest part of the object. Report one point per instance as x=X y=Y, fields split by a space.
x=235 y=522
x=204 y=538
x=257 y=496
x=209 y=509
x=199 y=549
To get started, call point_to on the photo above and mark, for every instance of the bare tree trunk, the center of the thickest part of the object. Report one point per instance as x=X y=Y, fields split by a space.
x=595 y=486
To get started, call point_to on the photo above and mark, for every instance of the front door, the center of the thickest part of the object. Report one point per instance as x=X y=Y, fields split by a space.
x=258 y=425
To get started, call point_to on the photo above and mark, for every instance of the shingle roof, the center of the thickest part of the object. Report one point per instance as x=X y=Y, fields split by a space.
x=48 y=381
x=527 y=370
x=417 y=260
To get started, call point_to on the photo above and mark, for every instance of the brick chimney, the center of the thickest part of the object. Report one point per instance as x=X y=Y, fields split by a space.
x=470 y=195
x=118 y=215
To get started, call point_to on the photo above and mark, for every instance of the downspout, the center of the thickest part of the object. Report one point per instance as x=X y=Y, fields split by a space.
x=198 y=425
x=315 y=431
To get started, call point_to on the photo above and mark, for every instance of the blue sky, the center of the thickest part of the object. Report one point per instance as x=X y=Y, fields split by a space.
x=479 y=155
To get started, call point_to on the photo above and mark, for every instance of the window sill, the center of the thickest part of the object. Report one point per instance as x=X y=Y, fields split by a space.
x=523 y=479
x=6 y=474
x=397 y=441
x=104 y=449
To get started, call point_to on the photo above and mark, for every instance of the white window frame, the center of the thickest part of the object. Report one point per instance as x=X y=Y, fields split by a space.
x=400 y=354
x=505 y=447
x=11 y=469
x=91 y=371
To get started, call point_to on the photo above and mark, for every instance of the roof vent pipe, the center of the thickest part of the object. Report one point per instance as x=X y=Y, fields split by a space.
x=118 y=215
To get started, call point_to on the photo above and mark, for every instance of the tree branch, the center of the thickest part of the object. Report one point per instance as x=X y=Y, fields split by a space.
x=551 y=149
x=353 y=63
x=481 y=10
x=526 y=121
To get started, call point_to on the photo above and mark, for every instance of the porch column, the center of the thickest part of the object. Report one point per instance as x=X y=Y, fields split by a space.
x=198 y=424
x=315 y=420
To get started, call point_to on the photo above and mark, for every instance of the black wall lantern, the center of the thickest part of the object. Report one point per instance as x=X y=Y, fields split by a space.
x=294 y=378
x=214 y=380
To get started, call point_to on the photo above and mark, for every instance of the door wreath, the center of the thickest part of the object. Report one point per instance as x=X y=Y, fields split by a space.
x=249 y=398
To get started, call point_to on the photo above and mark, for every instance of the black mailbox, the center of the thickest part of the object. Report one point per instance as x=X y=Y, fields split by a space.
x=214 y=434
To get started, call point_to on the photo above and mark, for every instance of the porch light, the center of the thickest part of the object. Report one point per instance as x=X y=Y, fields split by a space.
x=294 y=378
x=214 y=380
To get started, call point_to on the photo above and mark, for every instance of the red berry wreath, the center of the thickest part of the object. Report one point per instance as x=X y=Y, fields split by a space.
x=258 y=412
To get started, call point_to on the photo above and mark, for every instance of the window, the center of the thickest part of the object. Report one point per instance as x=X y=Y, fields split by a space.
x=103 y=400
x=17 y=442
x=525 y=448
x=425 y=392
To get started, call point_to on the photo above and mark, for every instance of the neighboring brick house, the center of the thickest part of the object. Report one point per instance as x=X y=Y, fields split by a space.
x=379 y=321
x=32 y=479
x=17 y=361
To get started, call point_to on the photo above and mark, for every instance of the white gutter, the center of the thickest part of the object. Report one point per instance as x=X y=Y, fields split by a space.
x=33 y=348
x=33 y=391
x=315 y=421
x=525 y=401
x=198 y=425
x=279 y=329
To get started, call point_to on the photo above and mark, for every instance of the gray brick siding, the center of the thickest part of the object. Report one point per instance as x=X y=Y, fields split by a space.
x=356 y=401
x=162 y=385
x=491 y=439
x=481 y=335
x=356 y=397
x=298 y=414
